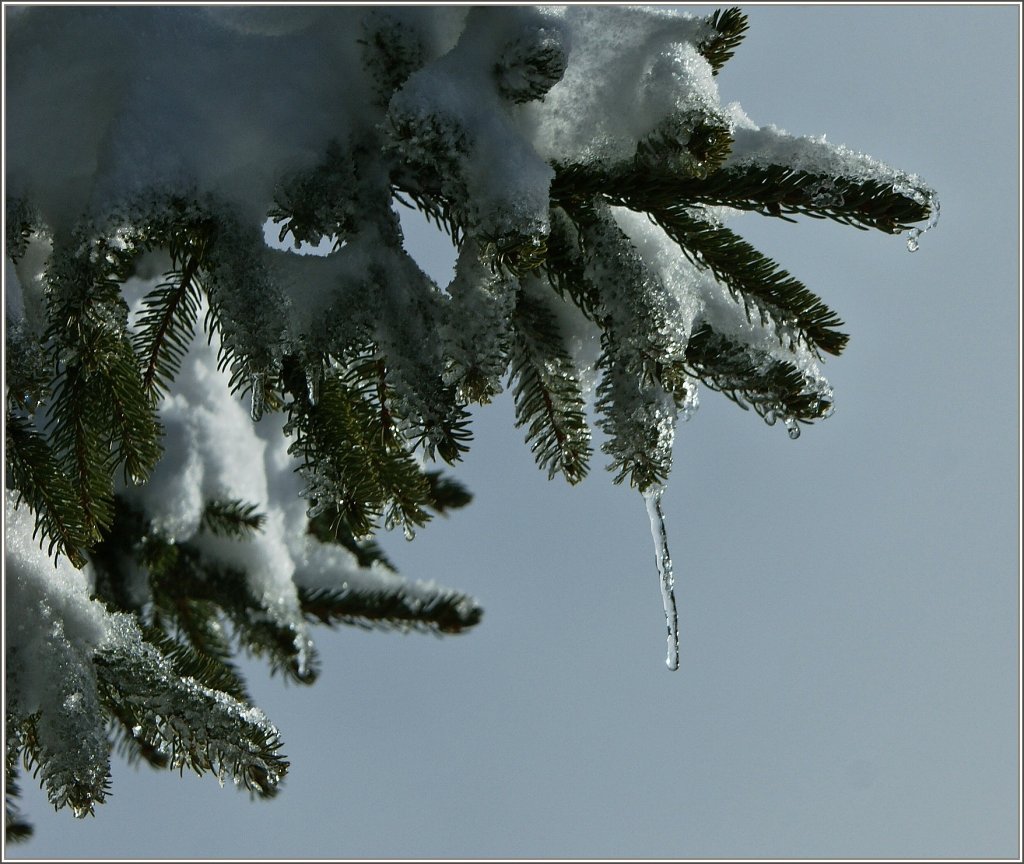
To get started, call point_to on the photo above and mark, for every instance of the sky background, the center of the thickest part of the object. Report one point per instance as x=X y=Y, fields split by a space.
x=848 y=602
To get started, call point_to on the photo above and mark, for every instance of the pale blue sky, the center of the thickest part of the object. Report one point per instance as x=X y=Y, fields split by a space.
x=849 y=602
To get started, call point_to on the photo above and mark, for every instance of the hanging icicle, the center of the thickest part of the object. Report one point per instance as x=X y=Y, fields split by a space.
x=652 y=496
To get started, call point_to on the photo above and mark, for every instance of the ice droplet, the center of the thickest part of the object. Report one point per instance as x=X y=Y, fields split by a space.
x=913 y=244
x=652 y=497
x=792 y=428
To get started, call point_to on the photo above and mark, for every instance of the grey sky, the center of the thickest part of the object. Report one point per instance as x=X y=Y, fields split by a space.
x=848 y=602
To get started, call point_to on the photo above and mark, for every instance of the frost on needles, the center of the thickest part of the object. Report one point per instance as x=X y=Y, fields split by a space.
x=204 y=432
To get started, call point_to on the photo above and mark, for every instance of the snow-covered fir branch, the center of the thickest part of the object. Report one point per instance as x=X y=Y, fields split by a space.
x=204 y=432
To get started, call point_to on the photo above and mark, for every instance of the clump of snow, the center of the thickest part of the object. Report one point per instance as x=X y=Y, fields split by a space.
x=43 y=589
x=456 y=122
x=25 y=283
x=630 y=66
x=51 y=629
x=770 y=145
x=477 y=331
x=661 y=256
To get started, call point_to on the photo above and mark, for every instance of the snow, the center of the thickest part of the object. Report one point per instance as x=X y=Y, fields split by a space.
x=51 y=630
x=617 y=85
x=50 y=590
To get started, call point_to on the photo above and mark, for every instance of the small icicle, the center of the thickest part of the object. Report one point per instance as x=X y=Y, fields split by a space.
x=313 y=378
x=792 y=427
x=256 y=411
x=926 y=198
x=653 y=499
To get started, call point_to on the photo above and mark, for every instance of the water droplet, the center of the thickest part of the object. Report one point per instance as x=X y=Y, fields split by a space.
x=792 y=428
x=913 y=244
x=652 y=497
x=408 y=532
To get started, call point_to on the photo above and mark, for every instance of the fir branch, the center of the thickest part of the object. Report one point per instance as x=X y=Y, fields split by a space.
x=16 y=828
x=729 y=27
x=79 y=430
x=27 y=369
x=391 y=52
x=136 y=431
x=133 y=750
x=445 y=493
x=436 y=209
x=329 y=526
x=565 y=266
x=777 y=190
x=548 y=394
x=37 y=478
x=189 y=662
x=691 y=144
x=165 y=327
x=121 y=582
x=348 y=454
x=100 y=416
x=190 y=592
x=318 y=203
x=247 y=309
x=754 y=278
x=231 y=518
x=638 y=416
x=773 y=387
x=76 y=773
x=443 y=612
x=475 y=331
x=771 y=190
x=531 y=64
x=197 y=727
x=515 y=254
x=20 y=221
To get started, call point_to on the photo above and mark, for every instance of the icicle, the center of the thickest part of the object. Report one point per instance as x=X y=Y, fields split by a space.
x=314 y=376
x=653 y=499
x=256 y=411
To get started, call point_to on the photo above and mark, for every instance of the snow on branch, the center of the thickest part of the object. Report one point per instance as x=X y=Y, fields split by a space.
x=579 y=158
